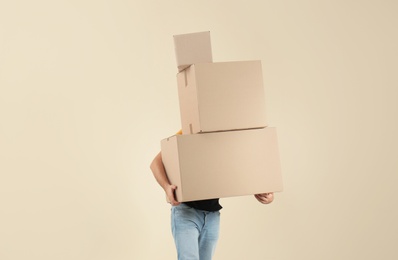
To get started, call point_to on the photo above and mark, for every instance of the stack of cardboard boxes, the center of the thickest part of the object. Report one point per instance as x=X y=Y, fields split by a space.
x=226 y=148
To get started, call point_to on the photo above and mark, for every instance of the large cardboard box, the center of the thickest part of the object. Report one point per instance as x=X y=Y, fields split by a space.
x=221 y=96
x=223 y=164
x=192 y=48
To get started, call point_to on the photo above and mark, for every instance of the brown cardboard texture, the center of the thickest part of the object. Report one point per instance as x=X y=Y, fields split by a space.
x=192 y=48
x=223 y=164
x=221 y=96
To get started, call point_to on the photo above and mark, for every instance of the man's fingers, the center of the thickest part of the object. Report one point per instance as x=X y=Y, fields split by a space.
x=265 y=195
x=171 y=195
x=258 y=197
x=176 y=203
x=262 y=198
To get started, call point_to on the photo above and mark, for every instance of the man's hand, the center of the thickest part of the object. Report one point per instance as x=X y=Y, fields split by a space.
x=170 y=195
x=265 y=198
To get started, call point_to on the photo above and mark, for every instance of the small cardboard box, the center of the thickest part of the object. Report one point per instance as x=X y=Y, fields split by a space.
x=223 y=164
x=192 y=48
x=221 y=96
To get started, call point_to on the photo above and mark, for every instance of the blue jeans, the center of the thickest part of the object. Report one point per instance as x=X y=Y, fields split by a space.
x=195 y=232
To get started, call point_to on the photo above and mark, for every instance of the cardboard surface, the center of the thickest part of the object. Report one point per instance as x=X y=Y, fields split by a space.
x=192 y=48
x=223 y=164
x=221 y=96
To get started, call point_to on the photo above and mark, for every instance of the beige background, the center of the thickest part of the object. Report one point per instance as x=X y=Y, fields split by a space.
x=88 y=89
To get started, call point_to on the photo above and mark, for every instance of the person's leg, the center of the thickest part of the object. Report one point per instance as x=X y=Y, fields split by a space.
x=209 y=235
x=186 y=225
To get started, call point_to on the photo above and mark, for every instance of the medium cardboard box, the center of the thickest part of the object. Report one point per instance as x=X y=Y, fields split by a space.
x=223 y=164
x=221 y=96
x=192 y=48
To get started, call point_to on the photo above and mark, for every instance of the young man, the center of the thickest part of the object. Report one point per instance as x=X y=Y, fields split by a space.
x=195 y=224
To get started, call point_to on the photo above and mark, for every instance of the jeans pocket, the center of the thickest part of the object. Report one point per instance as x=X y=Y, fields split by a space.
x=183 y=206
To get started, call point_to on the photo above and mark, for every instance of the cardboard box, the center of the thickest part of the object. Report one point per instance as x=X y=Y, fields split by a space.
x=223 y=164
x=192 y=48
x=221 y=96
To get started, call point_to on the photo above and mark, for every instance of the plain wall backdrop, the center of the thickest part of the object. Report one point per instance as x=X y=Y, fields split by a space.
x=88 y=90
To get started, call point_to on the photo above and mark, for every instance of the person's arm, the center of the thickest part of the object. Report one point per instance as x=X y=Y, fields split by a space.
x=159 y=172
x=265 y=198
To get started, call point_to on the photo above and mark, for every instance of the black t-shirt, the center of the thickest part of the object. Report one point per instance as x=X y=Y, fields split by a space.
x=208 y=205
